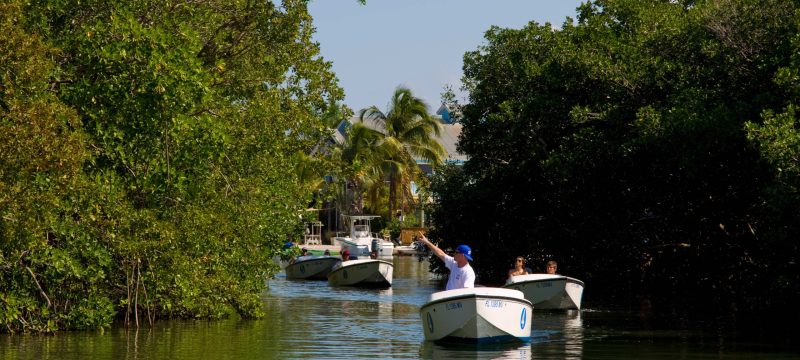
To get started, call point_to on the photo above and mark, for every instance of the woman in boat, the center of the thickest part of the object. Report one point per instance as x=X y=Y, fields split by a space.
x=461 y=273
x=519 y=268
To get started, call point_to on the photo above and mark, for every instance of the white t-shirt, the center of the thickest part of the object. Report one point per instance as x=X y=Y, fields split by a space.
x=460 y=277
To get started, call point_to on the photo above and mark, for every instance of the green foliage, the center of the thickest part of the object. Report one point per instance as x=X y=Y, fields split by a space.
x=779 y=143
x=618 y=145
x=148 y=166
x=386 y=150
x=356 y=157
x=407 y=132
x=52 y=263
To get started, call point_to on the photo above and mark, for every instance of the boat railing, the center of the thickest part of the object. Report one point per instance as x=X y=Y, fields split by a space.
x=374 y=235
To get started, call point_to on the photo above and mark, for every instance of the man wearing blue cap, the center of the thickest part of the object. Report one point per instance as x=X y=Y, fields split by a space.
x=461 y=273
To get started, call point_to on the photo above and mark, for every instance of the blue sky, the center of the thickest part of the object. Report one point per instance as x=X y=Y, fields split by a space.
x=416 y=43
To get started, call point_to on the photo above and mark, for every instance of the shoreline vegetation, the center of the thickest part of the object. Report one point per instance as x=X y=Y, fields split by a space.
x=155 y=157
x=650 y=147
x=148 y=156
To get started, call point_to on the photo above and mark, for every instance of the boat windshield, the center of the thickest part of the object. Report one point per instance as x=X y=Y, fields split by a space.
x=361 y=230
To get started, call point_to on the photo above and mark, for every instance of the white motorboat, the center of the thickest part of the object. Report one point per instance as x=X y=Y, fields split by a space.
x=405 y=250
x=360 y=241
x=311 y=267
x=477 y=315
x=549 y=292
x=415 y=248
x=362 y=272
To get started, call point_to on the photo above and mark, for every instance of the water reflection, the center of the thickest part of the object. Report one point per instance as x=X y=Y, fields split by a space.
x=573 y=335
x=365 y=323
x=558 y=334
x=430 y=350
x=311 y=320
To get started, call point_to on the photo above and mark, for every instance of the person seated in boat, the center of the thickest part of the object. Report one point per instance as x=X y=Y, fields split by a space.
x=346 y=256
x=551 y=267
x=461 y=273
x=327 y=252
x=305 y=252
x=519 y=268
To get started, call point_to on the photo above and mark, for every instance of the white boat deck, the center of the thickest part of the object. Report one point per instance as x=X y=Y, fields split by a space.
x=478 y=291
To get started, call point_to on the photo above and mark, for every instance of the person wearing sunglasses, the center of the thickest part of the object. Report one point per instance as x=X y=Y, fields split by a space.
x=519 y=268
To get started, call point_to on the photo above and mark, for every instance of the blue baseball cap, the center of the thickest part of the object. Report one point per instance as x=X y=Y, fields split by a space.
x=464 y=249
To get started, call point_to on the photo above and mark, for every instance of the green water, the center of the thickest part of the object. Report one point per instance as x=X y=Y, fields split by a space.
x=310 y=320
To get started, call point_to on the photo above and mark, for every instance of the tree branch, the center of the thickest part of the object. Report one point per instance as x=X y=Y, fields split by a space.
x=49 y=304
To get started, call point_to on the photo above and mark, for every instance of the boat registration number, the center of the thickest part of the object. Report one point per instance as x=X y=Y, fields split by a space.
x=494 y=303
x=453 y=306
x=544 y=285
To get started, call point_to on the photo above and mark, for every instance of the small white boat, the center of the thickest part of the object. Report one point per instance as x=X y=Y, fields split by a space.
x=360 y=241
x=415 y=248
x=549 y=292
x=405 y=250
x=477 y=315
x=311 y=267
x=362 y=272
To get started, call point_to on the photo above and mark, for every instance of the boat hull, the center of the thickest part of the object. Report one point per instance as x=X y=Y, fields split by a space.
x=311 y=267
x=549 y=292
x=477 y=316
x=364 y=273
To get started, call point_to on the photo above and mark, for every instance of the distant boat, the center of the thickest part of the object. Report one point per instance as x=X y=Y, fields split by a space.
x=549 y=292
x=477 y=315
x=415 y=248
x=362 y=272
x=360 y=241
x=311 y=267
x=406 y=250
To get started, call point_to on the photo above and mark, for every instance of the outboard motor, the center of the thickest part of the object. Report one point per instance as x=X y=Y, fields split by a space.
x=375 y=246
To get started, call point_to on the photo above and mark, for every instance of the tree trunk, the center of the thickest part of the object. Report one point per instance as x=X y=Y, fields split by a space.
x=392 y=191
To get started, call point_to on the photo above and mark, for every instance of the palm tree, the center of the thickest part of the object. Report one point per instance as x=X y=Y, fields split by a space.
x=359 y=155
x=408 y=133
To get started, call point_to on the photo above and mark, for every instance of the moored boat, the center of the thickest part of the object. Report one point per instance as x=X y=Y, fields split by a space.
x=311 y=267
x=362 y=272
x=549 y=292
x=360 y=241
x=414 y=249
x=405 y=250
x=477 y=315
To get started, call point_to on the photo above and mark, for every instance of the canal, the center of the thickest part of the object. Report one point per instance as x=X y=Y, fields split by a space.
x=310 y=320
